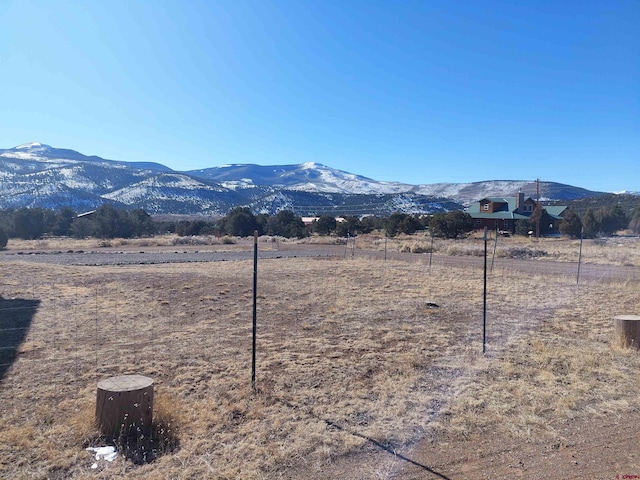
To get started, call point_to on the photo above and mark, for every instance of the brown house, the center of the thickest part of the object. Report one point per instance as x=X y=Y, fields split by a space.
x=502 y=213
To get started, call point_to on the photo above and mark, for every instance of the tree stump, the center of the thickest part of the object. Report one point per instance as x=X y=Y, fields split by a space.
x=124 y=405
x=627 y=331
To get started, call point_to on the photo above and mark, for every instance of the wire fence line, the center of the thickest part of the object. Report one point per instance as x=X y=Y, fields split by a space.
x=64 y=333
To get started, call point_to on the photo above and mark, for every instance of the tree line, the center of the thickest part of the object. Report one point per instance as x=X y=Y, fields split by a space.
x=110 y=222
x=600 y=222
x=241 y=222
x=104 y=222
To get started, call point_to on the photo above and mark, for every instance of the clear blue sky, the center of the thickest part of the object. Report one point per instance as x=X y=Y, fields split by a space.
x=411 y=91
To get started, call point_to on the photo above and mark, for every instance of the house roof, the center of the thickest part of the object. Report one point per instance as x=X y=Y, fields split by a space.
x=555 y=211
x=499 y=215
x=509 y=205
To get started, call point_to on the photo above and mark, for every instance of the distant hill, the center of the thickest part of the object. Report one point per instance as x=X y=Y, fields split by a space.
x=627 y=201
x=35 y=174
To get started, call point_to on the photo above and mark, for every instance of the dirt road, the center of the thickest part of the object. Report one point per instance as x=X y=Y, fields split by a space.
x=158 y=255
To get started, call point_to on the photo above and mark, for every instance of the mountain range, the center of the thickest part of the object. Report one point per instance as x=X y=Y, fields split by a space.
x=38 y=175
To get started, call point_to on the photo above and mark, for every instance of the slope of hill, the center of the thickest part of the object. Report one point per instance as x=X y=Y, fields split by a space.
x=308 y=177
x=628 y=202
x=39 y=175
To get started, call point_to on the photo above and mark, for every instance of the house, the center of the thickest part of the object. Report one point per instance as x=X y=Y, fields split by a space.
x=498 y=213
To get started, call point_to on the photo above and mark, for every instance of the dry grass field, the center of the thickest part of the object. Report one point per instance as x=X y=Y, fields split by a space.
x=360 y=361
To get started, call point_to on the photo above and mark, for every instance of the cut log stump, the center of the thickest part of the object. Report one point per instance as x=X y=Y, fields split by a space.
x=627 y=331
x=124 y=405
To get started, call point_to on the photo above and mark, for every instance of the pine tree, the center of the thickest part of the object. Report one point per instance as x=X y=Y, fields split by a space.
x=590 y=224
x=571 y=224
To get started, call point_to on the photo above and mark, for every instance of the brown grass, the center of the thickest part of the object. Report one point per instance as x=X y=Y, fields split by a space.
x=568 y=367
x=349 y=352
x=607 y=251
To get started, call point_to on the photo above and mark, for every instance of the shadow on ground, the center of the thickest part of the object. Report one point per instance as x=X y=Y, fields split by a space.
x=16 y=315
x=145 y=448
x=386 y=448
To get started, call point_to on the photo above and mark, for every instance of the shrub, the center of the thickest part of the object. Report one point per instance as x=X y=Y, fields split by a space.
x=520 y=252
x=414 y=248
x=4 y=238
x=194 y=240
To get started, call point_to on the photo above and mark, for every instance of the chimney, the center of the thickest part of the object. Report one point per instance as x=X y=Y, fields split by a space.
x=519 y=201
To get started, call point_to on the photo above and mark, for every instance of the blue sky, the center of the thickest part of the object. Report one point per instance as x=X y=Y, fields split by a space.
x=411 y=91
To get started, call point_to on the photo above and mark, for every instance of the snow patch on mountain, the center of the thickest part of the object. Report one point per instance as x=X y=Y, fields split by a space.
x=34 y=147
x=237 y=184
x=162 y=186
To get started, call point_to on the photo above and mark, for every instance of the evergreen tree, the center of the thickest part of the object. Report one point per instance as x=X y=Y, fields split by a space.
x=410 y=225
x=142 y=225
x=451 y=224
x=324 y=225
x=541 y=219
x=112 y=223
x=240 y=222
x=401 y=223
x=286 y=224
x=30 y=223
x=523 y=227
x=83 y=227
x=7 y=221
x=611 y=219
x=392 y=224
x=571 y=224
x=590 y=224
x=261 y=220
x=4 y=238
x=350 y=225
x=371 y=223
x=634 y=223
x=63 y=220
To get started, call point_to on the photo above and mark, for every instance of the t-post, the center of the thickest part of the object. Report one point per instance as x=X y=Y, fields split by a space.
x=431 y=249
x=386 y=237
x=484 y=294
x=495 y=246
x=580 y=256
x=255 y=300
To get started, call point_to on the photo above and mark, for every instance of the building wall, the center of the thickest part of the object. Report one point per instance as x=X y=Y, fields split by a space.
x=502 y=224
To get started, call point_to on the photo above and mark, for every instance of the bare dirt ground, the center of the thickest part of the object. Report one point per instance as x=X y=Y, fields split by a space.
x=360 y=376
x=604 y=448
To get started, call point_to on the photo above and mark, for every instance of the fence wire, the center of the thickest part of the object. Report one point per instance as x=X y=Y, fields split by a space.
x=64 y=332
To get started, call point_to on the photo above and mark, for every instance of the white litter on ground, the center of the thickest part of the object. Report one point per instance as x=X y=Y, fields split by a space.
x=103 y=453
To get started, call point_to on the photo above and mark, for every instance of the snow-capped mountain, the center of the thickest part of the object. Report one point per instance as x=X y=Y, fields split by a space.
x=315 y=177
x=306 y=177
x=36 y=174
x=39 y=175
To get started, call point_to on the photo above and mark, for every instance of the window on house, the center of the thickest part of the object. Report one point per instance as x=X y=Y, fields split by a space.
x=485 y=206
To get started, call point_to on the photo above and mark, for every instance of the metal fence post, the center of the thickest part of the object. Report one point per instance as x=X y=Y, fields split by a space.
x=255 y=299
x=484 y=306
